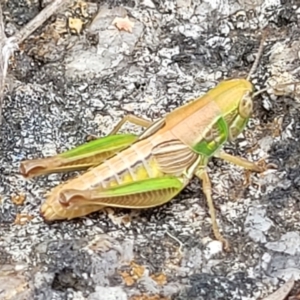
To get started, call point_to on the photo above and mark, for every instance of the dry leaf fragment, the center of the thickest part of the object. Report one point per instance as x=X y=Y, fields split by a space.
x=137 y=270
x=123 y=24
x=160 y=279
x=101 y=243
x=18 y=199
x=128 y=279
x=22 y=219
x=81 y=6
x=118 y=220
x=75 y=25
x=282 y=292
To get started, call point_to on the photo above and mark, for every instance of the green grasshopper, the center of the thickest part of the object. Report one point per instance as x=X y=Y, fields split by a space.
x=148 y=170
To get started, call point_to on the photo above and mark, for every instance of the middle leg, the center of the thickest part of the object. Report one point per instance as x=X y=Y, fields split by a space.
x=207 y=190
x=259 y=167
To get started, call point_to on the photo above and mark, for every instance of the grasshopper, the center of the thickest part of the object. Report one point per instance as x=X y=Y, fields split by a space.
x=148 y=170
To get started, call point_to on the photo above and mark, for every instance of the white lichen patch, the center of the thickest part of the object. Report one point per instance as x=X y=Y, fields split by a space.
x=284 y=58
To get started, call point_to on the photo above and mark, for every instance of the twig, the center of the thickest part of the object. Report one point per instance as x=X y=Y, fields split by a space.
x=9 y=45
x=177 y=240
x=2 y=61
x=36 y=22
x=2 y=71
x=283 y=291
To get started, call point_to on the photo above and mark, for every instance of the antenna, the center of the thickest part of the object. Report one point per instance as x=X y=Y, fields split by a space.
x=258 y=55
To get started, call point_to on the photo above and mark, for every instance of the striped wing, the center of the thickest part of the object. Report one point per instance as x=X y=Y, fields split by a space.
x=173 y=157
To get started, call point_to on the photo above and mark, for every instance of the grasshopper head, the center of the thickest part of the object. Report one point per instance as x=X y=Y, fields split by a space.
x=234 y=98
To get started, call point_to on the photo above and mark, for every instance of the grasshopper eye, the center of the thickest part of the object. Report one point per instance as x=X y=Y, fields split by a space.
x=246 y=106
